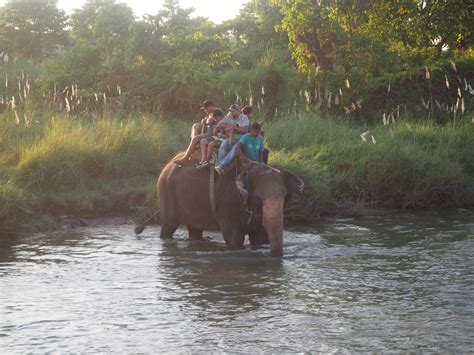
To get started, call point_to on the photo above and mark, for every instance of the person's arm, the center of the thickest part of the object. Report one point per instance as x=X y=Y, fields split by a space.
x=223 y=123
x=260 y=156
x=241 y=143
x=234 y=128
x=203 y=125
x=239 y=149
x=241 y=129
x=244 y=125
x=225 y=126
x=231 y=129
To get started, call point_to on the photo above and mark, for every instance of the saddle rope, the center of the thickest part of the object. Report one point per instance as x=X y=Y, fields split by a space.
x=212 y=199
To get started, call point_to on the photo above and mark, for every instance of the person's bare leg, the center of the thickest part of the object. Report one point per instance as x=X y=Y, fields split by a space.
x=196 y=130
x=189 y=152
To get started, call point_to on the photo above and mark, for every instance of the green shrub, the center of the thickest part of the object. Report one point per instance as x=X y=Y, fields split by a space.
x=403 y=166
x=87 y=167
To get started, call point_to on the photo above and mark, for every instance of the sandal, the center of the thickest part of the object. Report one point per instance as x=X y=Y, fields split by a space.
x=202 y=164
x=220 y=170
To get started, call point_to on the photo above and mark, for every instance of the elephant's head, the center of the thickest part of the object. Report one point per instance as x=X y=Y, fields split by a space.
x=271 y=188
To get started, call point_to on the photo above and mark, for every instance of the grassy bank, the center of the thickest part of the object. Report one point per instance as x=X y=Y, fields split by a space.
x=348 y=169
x=60 y=165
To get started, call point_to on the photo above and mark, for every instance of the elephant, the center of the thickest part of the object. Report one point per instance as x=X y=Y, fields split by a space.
x=249 y=199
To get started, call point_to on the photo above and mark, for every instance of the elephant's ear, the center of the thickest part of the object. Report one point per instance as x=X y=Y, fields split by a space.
x=241 y=188
x=293 y=183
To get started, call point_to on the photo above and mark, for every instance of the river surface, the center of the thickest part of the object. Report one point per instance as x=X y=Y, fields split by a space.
x=399 y=283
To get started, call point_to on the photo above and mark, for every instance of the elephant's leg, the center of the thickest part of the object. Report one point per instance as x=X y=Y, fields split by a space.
x=233 y=237
x=194 y=234
x=168 y=229
x=168 y=214
x=258 y=237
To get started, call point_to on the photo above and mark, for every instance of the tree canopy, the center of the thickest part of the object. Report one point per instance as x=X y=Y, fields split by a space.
x=274 y=53
x=32 y=29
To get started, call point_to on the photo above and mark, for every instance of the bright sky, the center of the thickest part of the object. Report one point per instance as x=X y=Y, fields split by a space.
x=215 y=10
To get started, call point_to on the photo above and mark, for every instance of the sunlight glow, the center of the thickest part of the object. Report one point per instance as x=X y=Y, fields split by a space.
x=215 y=10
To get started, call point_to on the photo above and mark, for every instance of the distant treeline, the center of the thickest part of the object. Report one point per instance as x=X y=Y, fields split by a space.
x=359 y=59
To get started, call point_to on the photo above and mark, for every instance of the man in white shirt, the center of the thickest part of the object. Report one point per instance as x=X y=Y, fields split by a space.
x=235 y=124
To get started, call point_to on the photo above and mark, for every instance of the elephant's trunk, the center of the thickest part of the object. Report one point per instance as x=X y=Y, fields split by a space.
x=272 y=219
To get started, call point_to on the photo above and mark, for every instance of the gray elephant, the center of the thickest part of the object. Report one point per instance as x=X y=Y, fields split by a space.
x=248 y=199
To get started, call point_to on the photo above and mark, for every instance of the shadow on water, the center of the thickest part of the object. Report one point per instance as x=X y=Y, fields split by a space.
x=217 y=284
x=398 y=229
x=7 y=245
x=37 y=247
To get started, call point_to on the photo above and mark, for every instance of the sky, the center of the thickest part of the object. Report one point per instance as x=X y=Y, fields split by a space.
x=215 y=10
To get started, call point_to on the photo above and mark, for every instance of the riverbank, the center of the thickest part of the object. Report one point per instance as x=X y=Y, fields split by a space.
x=107 y=166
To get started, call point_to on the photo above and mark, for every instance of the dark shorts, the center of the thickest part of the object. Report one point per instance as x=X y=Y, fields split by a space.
x=215 y=139
x=199 y=137
x=210 y=139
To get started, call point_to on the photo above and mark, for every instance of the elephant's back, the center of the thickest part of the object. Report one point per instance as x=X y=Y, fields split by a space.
x=185 y=189
x=173 y=174
x=168 y=171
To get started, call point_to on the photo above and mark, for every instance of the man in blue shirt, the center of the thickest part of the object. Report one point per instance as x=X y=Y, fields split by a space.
x=251 y=144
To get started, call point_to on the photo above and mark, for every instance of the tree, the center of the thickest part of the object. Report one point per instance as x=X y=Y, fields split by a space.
x=326 y=33
x=106 y=25
x=322 y=33
x=440 y=24
x=253 y=31
x=32 y=29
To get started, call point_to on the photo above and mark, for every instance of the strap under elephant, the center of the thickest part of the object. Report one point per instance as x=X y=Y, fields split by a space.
x=245 y=201
x=212 y=192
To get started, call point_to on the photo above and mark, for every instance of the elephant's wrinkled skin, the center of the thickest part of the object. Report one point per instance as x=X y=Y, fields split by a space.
x=184 y=200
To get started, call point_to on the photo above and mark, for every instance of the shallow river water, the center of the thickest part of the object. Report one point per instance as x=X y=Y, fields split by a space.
x=400 y=282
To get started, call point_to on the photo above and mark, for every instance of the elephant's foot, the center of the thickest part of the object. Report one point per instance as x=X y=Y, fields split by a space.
x=167 y=231
x=256 y=239
x=194 y=234
x=234 y=238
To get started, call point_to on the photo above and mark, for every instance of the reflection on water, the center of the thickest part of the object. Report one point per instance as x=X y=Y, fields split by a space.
x=400 y=282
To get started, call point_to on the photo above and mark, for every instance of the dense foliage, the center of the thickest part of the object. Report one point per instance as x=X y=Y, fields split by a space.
x=353 y=58
x=91 y=103
x=108 y=166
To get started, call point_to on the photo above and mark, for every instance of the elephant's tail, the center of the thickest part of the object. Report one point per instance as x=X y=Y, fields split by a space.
x=141 y=227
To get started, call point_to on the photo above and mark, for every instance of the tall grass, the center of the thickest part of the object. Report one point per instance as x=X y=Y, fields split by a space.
x=65 y=165
x=404 y=165
x=71 y=165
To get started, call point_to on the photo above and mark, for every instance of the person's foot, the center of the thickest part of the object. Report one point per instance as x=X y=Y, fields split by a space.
x=179 y=162
x=220 y=170
x=202 y=164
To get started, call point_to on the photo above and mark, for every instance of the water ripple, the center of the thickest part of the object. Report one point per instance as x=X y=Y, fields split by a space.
x=388 y=283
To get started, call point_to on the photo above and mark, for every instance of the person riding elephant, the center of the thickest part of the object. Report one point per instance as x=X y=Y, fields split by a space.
x=249 y=201
x=200 y=130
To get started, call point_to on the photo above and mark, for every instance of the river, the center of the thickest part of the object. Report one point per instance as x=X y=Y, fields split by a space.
x=402 y=282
